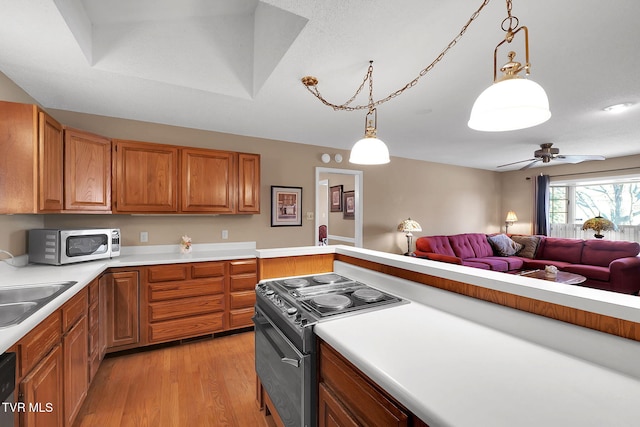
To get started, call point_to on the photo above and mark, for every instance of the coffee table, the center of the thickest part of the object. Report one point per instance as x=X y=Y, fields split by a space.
x=562 y=276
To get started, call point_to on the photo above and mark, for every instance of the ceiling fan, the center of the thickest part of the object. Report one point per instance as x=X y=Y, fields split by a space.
x=546 y=153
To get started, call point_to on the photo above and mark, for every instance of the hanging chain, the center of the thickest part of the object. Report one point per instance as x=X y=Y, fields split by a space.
x=311 y=82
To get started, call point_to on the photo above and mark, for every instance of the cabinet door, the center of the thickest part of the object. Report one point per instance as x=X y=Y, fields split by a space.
x=331 y=413
x=122 y=309
x=103 y=316
x=87 y=171
x=50 y=164
x=248 y=183
x=146 y=177
x=209 y=181
x=42 y=393
x=18 y=172
x=76 y=372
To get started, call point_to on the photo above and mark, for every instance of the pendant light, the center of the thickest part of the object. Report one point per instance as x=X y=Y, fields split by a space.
x=512 y=102
x=370 y=150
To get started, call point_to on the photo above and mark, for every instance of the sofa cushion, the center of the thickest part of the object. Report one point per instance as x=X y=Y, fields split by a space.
x=566 y=250
x=470 y=245
x=480 y=244
x=542 y=263
x=515 y=263
x=444 y=258
x=494 y=263
x=503 y=245
x=476 y=264
x=593 y=272
x=461 y=246
x=529 y=245
x=602 y=252
x=435 y=244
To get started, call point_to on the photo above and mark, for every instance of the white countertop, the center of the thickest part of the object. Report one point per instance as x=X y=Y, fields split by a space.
x=451 y=371
x=85 y=272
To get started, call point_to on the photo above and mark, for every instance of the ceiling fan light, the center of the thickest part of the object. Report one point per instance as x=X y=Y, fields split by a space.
x=369 y=151
x=510 y=104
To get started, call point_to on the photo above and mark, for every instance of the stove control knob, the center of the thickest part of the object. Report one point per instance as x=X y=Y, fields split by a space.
x=291 y=311
x=304 y=321
x=269 y=293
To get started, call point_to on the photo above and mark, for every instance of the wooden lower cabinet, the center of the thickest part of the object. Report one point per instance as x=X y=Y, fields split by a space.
x=122 y=290
x=331 y=413
x=42 y=393
x=347 y=397
x=184 y=300
x=76 y=374
x=243 y=276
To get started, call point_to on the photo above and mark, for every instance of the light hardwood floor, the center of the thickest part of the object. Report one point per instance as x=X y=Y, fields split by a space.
x=204 y=383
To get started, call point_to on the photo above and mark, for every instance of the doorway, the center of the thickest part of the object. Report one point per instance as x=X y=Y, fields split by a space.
x=341 y=227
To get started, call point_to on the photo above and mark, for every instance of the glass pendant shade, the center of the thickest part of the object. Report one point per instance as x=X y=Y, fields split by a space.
x=510 y=104
x=369 y=151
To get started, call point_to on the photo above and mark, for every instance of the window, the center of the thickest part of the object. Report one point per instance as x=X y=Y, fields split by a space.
x=617 y=199
x=559 y=204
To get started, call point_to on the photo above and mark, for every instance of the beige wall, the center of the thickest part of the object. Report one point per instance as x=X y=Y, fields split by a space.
x=443 y=199
x=518 y=186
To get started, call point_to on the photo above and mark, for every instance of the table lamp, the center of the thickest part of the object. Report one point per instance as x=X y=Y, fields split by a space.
x=408 y=226
x=511 y=218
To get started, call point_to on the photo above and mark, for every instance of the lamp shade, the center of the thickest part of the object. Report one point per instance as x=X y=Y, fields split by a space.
x=369 y=151
x=510 y=104
x=511 y=217
x=598 y=224
x=409 y=225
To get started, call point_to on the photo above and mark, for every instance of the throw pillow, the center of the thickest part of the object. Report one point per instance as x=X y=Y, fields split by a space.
x=503 y=245
x=529 y=245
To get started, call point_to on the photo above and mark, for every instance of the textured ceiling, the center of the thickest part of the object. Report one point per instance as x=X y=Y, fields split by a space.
x=235 y=66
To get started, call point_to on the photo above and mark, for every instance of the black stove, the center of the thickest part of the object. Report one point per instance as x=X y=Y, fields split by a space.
x=286 y=311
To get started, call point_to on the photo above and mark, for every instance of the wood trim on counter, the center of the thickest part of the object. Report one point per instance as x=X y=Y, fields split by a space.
x=599 y=322
x=270 y=268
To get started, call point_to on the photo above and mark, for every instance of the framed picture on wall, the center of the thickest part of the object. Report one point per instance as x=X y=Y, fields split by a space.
x=286 y=205
x=335 y=198
x=349 y=201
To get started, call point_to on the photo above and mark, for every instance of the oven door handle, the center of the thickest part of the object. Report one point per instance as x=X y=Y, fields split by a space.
x=283 y=358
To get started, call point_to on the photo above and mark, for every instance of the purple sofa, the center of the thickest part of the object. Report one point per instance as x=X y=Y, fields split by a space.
x=608 y=265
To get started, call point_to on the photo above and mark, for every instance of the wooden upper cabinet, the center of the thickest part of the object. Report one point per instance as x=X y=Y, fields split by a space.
x=31 y=161
x=145 y=177
x=248 y=183
x=87 y=171
x=50 y=164
x=209 y=181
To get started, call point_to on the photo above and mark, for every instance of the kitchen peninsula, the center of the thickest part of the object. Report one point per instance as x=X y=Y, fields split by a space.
x=447 y=358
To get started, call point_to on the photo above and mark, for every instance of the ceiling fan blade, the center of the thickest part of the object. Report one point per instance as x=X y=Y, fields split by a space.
x=530 y=164
x=573 y=159
x=515 y=163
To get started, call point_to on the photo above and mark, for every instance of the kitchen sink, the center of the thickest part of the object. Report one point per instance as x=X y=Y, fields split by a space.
x=19 y=302
x=14 y=313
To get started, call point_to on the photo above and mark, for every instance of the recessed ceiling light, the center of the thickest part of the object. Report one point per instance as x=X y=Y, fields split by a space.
x=618 y=108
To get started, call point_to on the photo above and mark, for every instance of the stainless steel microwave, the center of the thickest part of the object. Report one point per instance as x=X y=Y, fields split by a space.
x=60 y=246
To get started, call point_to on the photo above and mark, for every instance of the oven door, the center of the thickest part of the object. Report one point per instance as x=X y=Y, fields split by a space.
x=285 y=373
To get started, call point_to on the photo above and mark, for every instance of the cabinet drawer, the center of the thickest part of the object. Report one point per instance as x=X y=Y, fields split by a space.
x=207 y=269
x=94 y=292
x=185 y=328
x=185 y=307
x=242 y=266
x=37 y=343
x=242 y=299
x=240 y=318
x=244 y=282
x=165 y=291
x=167 y=273
x=94 y=316
x=74 y=309
x=94 y=342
